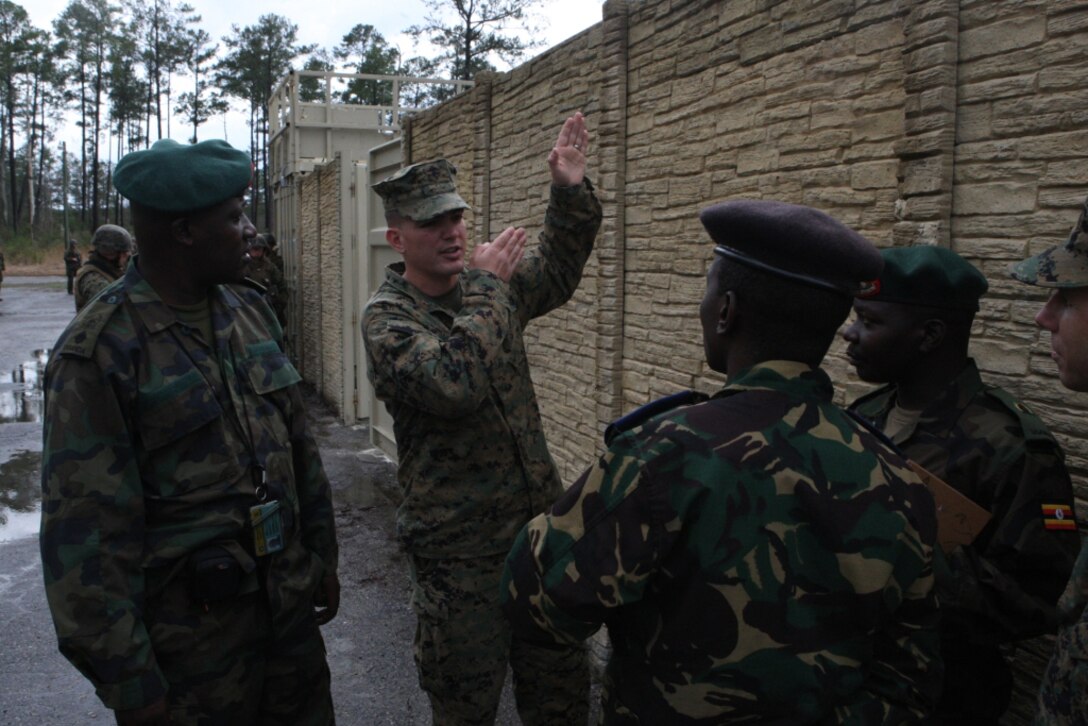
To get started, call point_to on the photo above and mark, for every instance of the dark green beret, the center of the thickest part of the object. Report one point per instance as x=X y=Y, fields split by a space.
x=793 y=241
x=1064 y=265
x=934 y=277
x=173 y=177
x=421 y=191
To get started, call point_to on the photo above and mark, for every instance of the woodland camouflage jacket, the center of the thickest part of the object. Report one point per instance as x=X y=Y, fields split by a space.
x=757 y=558
x=153 y=446
x=991 y=448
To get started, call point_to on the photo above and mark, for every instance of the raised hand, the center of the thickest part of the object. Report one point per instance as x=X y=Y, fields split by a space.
x=567 y=159
x=501 y=255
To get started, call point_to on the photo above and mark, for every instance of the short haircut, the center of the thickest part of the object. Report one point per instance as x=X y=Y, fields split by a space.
x=787 y=319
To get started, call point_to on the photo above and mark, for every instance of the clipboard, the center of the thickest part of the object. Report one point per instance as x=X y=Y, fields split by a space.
x=959 y=520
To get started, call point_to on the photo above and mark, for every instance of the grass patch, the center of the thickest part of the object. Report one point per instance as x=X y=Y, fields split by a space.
x=24 y=256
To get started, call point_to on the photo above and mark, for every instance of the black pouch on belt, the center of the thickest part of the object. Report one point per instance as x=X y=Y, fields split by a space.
x=214 y=575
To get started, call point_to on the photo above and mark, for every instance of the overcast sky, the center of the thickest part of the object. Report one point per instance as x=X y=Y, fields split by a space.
x=323 y=22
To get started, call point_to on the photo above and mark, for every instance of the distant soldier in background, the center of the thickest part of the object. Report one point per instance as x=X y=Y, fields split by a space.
x=111 y=247
x=2 y=268
x=262 y=269
x=72 y=258
x=912 y=332
x=1063 y=695
x=274 y=250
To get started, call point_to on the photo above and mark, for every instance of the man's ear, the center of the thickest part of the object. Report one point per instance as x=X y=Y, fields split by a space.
x=727 y=314
x=181 y=231
x=933 y=334
x=392 y=236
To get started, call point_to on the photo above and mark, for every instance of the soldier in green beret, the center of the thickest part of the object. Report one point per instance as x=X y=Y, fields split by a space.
x=446 y=353
x=187 y=537
x=911 y=332
x=1063 y=269
x=757 y=555
x=111 y=247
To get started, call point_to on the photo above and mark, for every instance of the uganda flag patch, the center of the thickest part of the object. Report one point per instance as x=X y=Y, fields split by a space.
x=1058 y=516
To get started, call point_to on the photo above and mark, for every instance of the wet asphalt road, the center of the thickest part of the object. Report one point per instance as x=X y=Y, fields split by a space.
x=369 y=643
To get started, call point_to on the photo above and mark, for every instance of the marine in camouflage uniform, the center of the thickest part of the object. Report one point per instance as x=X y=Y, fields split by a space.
x=263 y=270
x=1063 y=694
x=446 y=353
x=913 y=330
x=110 y=249
x=170 y=422
x=758 y=557
x=2 y=268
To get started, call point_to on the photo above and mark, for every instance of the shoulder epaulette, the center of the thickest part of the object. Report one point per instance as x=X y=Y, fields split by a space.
x=644 y=413
x=82 y=335
x=1033 y=426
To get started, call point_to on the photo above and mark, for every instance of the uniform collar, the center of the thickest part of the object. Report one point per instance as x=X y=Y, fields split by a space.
x=782 y=375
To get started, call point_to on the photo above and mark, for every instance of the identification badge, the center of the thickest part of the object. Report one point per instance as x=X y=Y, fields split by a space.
x=266 y=521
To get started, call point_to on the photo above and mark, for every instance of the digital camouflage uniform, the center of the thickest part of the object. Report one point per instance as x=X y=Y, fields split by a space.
x=758 y=558
x=154 y=446
x=473 y=462
x=94 y=276
x=1004 y=586
x=1063 y=694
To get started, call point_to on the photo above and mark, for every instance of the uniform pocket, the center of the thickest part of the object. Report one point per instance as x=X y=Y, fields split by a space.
x=267 y=368
x=176 y=408
x=429 y=596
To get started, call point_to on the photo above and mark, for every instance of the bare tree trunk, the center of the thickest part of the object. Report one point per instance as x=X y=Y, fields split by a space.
x=12 y=181
x=4 y=211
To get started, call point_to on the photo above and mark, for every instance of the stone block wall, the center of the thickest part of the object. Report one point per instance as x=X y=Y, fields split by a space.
x=321 y=271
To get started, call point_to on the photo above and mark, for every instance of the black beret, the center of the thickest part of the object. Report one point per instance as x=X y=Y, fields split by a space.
x=793 y=241
x=173 y=177
x=935 y=277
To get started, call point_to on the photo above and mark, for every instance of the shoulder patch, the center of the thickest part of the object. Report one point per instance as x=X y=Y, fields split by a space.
x=1033 y=426
x=644 y=413
x=82 y=334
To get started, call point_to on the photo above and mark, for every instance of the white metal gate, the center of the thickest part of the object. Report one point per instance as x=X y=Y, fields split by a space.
x=372 y=257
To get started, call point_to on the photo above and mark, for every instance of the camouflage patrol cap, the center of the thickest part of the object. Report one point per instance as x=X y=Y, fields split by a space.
x=794 y=242
x=111 y=238
x=421 y=191
x=929 y=276
x=1064 y=265
x=173 y=177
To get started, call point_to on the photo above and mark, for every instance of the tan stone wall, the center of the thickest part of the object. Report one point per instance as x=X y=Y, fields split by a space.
x=320 y=340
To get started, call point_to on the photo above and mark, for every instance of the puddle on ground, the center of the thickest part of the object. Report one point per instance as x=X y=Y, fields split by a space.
x=20 y=496
x=21 y=396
